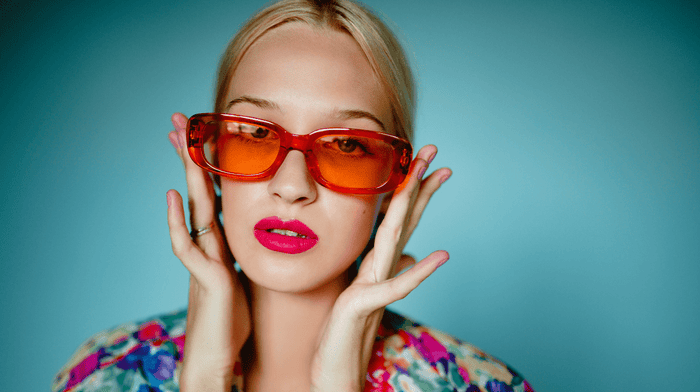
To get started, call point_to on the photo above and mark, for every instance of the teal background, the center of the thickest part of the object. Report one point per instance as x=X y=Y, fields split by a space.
x=572 y=219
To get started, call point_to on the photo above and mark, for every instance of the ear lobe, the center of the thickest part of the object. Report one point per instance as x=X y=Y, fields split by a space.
x=385 y=202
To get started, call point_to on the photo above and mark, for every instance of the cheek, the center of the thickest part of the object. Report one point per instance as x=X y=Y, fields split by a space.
x=232 y=201
x=357 y=224
x=344 y=222
x=238 y=202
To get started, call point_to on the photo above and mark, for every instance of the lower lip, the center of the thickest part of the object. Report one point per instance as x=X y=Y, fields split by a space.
x=284 y=243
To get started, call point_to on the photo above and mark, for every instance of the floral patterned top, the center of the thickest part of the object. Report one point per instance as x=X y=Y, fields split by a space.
x=145 y=357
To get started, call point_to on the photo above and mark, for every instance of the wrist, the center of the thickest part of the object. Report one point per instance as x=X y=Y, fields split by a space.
x=205 y=380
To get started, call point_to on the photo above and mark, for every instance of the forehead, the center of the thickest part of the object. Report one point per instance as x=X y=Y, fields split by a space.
x=310 y=71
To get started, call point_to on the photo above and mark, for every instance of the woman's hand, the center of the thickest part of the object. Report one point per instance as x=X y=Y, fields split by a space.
x=218 y=317
x=340 y=364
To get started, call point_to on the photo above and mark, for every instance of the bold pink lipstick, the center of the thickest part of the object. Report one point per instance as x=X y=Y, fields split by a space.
x=287 y=237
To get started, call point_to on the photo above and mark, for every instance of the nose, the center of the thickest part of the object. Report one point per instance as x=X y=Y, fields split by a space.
x=292 y=182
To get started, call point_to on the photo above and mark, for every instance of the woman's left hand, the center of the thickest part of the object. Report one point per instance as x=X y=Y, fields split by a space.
x=340 y=363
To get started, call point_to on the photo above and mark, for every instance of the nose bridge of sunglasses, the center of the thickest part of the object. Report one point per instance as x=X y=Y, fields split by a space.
x=300 y=144
x=297 y=142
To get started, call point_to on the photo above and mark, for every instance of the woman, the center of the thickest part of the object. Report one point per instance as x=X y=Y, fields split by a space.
x=311 y=148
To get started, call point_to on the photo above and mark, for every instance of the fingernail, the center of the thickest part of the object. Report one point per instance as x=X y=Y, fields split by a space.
x=421 y=172
x=445 y=177
x=172 y=136
x=441 y=263
x=168 y=199
x=181 y=121
x=431 y=158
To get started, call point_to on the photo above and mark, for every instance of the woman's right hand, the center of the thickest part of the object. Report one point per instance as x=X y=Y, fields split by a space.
x=218 y=316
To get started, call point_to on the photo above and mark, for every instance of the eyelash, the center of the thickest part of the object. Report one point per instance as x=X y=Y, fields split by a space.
x=248 y=138
x=336 y=142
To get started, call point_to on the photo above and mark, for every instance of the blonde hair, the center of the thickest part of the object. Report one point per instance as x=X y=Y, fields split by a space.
x=378 y=43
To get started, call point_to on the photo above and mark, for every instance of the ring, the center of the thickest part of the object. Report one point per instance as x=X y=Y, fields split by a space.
x=201 y=231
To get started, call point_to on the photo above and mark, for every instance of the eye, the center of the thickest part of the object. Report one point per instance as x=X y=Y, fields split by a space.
x=260 y=133
x=347 y=145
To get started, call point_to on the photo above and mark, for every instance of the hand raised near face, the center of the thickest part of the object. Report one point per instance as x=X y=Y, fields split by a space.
x=340 y=364
x=218 y=317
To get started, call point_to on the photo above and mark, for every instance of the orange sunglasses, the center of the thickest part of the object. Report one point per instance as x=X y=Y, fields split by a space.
x=341 y=159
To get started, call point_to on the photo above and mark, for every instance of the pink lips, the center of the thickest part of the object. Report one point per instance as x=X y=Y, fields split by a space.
x=285 y=242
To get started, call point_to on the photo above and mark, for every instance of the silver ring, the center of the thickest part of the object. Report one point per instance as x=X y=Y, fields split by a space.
x=201 y=231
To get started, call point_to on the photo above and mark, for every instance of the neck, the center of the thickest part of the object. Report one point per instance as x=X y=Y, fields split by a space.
x=287 y=329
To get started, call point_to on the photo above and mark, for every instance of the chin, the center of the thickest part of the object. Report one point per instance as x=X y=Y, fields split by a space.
x=306 y=272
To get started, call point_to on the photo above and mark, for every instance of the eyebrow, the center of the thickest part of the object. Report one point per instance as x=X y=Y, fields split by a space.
x=343 y=114
x=353 y=114
x=261 y=103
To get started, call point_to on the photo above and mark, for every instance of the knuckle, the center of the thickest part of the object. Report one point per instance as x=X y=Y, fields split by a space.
x=176 y=250
x=393 y=232
x=179 y=249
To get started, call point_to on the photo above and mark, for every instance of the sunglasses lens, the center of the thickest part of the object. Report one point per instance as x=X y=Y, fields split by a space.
x=354 y=161
x=241 y=148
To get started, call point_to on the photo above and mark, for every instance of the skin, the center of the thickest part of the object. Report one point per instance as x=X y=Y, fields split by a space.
x=302 y=80
x=311 y=329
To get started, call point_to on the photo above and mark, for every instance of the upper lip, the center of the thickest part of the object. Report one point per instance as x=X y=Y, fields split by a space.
x=296 y=226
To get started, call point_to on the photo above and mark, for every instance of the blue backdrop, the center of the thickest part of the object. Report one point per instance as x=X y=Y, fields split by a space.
x=573 y=129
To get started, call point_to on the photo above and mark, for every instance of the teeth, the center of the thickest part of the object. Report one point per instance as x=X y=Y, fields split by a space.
x=287 y=232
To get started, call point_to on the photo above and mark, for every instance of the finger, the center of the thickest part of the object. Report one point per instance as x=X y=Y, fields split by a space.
x=404 y=197
x=388 y=240
x=200 y=192
x=179 y=122
x=404 y=262
x=207 y=269
x=385 y=293
x=427 y=189
x=182 y=244
x=200 y=188
x=400 y=286
x=427 y=154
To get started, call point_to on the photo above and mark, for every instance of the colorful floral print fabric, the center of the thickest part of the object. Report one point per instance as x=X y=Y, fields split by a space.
x=145 y=357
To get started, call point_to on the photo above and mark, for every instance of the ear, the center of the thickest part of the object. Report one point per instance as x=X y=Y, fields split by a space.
x=385 y=202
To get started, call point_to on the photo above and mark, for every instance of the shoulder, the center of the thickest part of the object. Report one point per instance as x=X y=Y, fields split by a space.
x=411 y=357
x=140 y=356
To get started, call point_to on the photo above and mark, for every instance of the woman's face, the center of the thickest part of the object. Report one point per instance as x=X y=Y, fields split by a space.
x=302 y=79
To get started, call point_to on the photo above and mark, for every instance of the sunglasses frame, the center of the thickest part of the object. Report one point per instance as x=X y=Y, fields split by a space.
x=197 y=134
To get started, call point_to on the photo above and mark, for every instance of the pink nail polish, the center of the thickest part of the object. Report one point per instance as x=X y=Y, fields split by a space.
x=431 y=158
x=421 y=172
x=173 y=140
x=445 y=178
x=441 y=263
